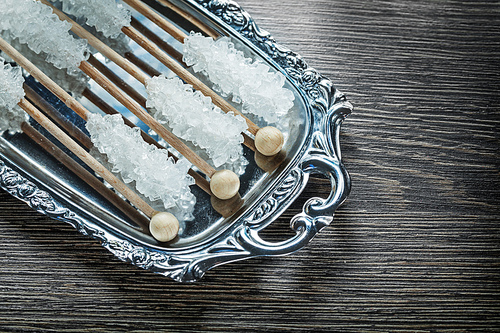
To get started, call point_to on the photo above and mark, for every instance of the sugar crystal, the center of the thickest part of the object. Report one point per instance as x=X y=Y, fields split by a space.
x=106 y=16
x=252 y=83
x=35 y=24
x=11 y=92
x=193 y=117
x=154 y=173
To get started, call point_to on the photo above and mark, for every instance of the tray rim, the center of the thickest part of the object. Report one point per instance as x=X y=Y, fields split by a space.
x=321 y=154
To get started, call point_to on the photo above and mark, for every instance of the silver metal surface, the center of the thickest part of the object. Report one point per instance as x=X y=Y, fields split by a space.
x=312 y=147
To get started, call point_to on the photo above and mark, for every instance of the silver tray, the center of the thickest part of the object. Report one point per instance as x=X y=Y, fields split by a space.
x=312 y=147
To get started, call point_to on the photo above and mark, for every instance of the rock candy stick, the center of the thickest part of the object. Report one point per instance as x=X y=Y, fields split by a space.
x=156 y=175
x=260 y=90
x=193 y=117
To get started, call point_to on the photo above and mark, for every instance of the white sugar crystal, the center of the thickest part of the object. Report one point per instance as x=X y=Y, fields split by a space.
x=74 y=83
x=106 y=16
x=35 y=24
x=155 y=174
x=11 y=119
x=194 y=118
x=11 y=92
x=252 y=83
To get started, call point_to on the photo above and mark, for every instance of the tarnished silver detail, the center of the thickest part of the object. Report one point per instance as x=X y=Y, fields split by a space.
x=325 y=110
x=24 y=190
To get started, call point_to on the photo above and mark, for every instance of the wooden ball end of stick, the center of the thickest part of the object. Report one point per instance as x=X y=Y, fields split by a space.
x=224 y=184
x=164 y=226
x=269 y=141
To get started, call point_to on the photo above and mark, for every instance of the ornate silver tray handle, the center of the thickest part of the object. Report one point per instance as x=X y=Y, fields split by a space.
x=312 y=148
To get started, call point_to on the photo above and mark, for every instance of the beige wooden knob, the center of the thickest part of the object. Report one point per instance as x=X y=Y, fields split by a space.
x=224 y=184
x=269 y=141
x=164 y=226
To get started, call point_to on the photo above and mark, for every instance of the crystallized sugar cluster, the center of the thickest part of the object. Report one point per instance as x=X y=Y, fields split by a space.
x=35 y=24
x=156 y=175
x=194 y=118
x=106 y=16
x=253 y=84
x=11 y=92
x=74 y=83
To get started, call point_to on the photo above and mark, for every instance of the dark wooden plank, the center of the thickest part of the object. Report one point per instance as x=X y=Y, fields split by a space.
x=415 y=247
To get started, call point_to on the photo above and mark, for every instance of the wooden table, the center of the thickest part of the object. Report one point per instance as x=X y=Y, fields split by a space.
x=414 y=248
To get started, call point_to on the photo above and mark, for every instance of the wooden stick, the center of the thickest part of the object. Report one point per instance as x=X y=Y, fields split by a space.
x=155 y=39
x=83 y=155
x=100 y=103
x=119 y=82
x=199 y=24
x=56 y=116
x=86 y=176
x=157 y=19
x=147 y=68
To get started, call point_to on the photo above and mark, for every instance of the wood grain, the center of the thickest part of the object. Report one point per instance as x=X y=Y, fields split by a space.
x=414 y=249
